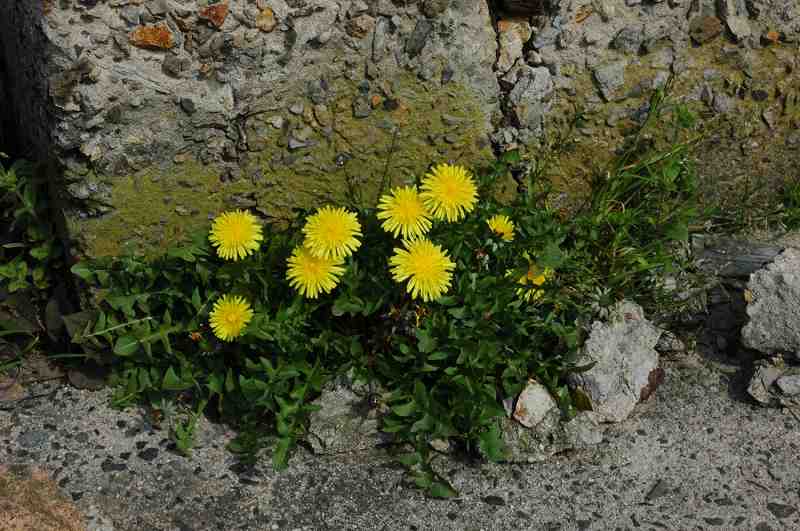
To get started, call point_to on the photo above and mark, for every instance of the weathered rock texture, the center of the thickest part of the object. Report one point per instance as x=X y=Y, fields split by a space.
x=774 y=309
x=164 y=112
x=625 y=369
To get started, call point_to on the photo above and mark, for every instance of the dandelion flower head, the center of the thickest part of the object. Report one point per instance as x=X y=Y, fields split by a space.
x=404 y=213
x=503 y=226
x=312 y=275
x=534 y=278
x=229 y=316
x=426 y=266
x=449 y=192
x=332 y=233
x=235 y=234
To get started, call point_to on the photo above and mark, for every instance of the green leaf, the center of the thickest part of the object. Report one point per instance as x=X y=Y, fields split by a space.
x=172 y=382
x=280 y=456
x=439 y=489
x=344 y=305
x=230 y=382
x=409 y=459
x=404 y=410
x=491 y=443
x=427 y=343
x=678 y=231
x=216 y=384
x=511 y=157
x=196 y=301
x=82 y=270
x=424 y=480
x=40 y=252
x=438 y=356
x=126 y=346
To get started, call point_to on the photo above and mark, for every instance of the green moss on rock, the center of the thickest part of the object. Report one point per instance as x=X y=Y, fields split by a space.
x=358 y=139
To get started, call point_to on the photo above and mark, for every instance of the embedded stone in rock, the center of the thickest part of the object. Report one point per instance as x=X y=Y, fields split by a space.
x=765 y=375
x=265 y=21
x=774 y=309
x=629 y=39
x=215 y=14
x=531 y=96
x=159 y=36
x=513 y=34
x=704 y=29
x=416 y=42
x=533 y=404
x=433 y=8
x=584 y=431
x=347 y=422
x=625 y=361
x=739 y=27
x=610 y=78
x=670 y=343
x=531 y=445
x=789 y=385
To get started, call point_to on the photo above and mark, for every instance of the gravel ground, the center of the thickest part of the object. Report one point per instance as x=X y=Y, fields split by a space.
x=698 y=455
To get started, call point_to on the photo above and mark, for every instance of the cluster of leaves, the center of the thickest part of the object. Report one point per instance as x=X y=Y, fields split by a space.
x=28 y=245
x=29 y=254
x=791 y=206
x=442 y=368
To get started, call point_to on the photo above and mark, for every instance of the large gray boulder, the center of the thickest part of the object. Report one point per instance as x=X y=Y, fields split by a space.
x=774 y=308
x=625 y=361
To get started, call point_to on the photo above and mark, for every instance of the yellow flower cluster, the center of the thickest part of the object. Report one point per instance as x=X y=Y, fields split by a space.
x=315 y=267
x=446 y=193
x=235 y=235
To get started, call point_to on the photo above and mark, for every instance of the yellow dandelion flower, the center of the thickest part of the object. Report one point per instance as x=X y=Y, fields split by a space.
x=534 y=278
x=312 y=275
x=229 y=316
x=449 y=192
x=235 y=234
x=332 y=233
x=404 y=212
x=426 y=266
x=503 y=226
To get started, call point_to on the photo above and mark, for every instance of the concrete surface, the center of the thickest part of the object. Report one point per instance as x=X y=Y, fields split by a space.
x=698 y=455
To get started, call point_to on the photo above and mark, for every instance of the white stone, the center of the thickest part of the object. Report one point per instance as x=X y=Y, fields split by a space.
x=624 y=357
x=533 y=404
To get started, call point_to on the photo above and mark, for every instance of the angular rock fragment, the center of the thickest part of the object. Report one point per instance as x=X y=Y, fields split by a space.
x=765 y=375
x=625 y=361
x=159 y=37
x=533 y=404
x=774 y=309
x=215 y=14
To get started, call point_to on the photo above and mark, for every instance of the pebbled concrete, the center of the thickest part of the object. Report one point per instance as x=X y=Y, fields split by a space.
x=697 y=455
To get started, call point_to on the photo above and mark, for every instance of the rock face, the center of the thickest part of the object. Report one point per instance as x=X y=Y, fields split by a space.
x=774 y=311
x=626 y=363
x=165 y=112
